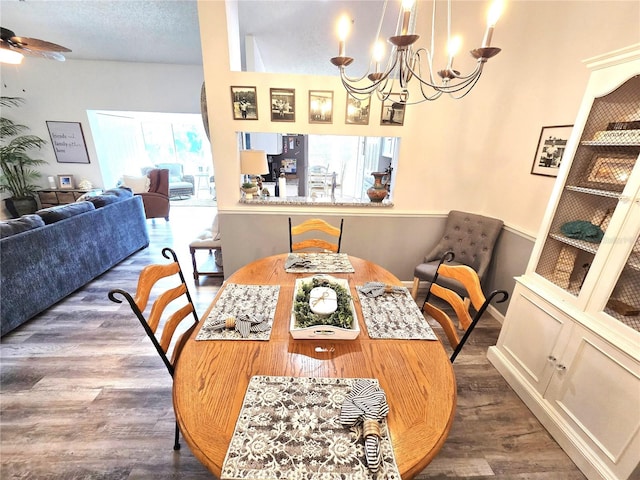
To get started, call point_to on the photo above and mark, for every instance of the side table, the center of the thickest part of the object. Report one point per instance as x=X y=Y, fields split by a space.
x=53 y=197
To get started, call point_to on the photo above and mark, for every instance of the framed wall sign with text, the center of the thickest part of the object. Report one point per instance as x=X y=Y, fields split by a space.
x=68 y=142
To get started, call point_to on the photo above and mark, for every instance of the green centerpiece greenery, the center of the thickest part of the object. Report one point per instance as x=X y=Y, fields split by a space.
x=342 y=317
x=18 y=175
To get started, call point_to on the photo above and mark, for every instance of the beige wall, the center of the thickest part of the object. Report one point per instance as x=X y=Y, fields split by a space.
x=471 y=154
x=64 y=91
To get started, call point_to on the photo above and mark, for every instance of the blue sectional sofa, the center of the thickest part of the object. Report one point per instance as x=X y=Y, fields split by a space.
x=46 y=256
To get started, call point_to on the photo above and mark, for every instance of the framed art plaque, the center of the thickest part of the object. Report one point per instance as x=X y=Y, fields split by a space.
x=68 y=142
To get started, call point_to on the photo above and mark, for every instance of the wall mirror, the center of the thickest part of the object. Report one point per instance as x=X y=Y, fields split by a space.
x=311 y=162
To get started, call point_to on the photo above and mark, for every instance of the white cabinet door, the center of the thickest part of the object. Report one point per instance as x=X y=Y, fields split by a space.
x=534 y=336
x=596 y=390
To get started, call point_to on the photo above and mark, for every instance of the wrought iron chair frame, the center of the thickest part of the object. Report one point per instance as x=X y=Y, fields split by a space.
x=460 y=305
x=161 y=302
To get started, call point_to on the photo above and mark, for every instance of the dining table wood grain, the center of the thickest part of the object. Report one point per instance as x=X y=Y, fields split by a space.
x=211 y=376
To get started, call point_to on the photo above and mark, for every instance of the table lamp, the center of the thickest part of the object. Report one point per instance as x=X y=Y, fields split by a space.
x=253 y=163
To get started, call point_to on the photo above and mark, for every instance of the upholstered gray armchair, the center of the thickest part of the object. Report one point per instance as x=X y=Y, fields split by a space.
x=180 y=185
x=471 y=238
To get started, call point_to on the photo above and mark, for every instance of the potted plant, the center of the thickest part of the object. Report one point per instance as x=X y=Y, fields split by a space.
x=17 y=168
x=249 y=188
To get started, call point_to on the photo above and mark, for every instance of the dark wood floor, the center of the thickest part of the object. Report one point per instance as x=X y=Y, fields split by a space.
x=84 y=395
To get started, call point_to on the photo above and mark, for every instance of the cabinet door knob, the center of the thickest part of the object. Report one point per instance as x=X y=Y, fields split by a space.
x=561 y=367
x=551 y=358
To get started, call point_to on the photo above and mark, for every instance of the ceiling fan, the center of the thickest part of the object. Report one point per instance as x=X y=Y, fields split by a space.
x=13 y=47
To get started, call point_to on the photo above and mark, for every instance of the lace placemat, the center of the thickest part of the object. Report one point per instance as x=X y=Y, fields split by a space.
x=238 y=299
x=318 y=263
x=394 y=315
x=288 y=428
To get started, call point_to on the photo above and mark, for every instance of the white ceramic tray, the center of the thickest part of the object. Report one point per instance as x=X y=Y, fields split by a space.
x=325 y=331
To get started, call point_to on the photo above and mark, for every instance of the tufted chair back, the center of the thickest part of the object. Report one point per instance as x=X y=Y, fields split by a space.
x=471 y=238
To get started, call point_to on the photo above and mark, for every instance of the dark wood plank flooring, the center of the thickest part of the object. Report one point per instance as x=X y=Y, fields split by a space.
x=84 y=395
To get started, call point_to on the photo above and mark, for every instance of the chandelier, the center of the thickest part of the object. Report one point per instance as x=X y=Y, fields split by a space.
x=406 y=63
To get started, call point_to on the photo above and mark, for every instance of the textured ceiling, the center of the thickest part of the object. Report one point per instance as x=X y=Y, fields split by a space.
x=130 y=31
x=292 y=36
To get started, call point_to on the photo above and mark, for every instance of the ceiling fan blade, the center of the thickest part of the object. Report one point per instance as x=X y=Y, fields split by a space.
x=41 y=53
x=37 y=44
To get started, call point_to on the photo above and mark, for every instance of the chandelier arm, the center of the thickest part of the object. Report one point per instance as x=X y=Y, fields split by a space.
x=391 y=63
x=463 y=79
x=355 y=89
x=479 y=67
x=404 y=74
x=473 y=84
x=469 y=81
x=383 y=93
x=437 y=94
x=364 y=90
x=451 y=89
x=431 y=82
x=383 y=85
x=344 y=76
x=403 y=64
x=418 y=75
x=349 y=83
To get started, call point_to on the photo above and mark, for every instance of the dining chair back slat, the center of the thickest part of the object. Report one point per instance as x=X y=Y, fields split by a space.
x=165 y=311
x=461 y=305
x=331 y=244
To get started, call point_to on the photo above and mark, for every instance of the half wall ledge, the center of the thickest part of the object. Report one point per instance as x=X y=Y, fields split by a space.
x=320 y=201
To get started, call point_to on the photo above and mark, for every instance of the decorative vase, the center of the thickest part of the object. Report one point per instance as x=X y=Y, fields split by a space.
x=378 y=191
x=249 y=192
x=21 y=206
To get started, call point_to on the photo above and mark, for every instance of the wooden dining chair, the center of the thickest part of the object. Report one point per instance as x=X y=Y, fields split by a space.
x=315 y=225
x=467 y=279
x=181 y=307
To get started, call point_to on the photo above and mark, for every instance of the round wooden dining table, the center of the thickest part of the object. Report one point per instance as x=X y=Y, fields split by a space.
x=211 y=377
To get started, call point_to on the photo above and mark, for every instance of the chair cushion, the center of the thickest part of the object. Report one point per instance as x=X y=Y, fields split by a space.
x=206 y=243
x=121 y=192
x=426 y=271
x=19 y=225
x=207 y=239
x=179 y=185
x=138 y=184
x=102 y=200
x=175 y=171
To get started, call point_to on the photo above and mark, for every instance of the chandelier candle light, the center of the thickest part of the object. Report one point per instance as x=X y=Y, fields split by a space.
x=405 y=62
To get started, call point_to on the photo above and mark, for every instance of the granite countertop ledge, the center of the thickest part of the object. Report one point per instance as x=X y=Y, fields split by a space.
x=321 y=201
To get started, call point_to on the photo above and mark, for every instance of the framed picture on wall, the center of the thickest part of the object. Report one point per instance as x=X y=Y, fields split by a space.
x=68 y=142
x=551 y=146
x=283 y=105
x=244 y=103
x=392 y=113
x=357 y=111
x=320 y=106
